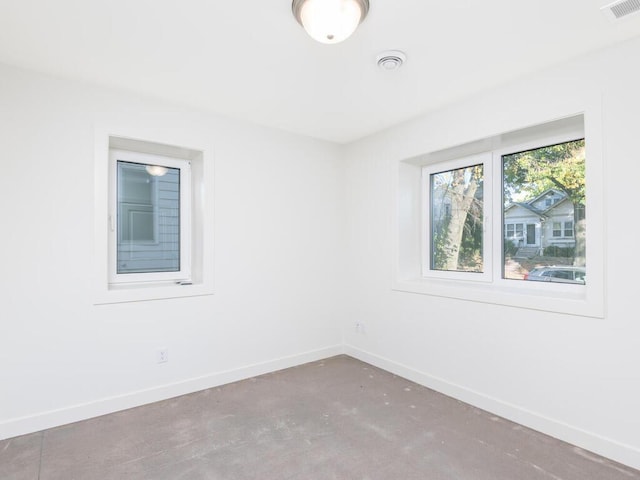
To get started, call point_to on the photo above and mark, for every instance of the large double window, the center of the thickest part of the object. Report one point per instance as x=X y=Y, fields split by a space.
x=540 y=195
x=503 y=219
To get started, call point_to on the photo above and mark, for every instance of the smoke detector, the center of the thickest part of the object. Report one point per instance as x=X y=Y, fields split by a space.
x=392 y=59
x=620 y=9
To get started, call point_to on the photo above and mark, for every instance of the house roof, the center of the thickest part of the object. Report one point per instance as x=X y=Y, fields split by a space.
x=251 y=59
x=526 y=206
x=546 y=193
x=529 y=204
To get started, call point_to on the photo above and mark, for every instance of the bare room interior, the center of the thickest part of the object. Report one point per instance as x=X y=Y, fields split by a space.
x=319 y=239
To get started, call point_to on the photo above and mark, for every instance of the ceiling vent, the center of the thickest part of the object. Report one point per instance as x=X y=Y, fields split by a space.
x=392 y=59
x=620 y=9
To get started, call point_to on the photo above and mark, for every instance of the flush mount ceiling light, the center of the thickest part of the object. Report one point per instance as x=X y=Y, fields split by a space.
x=330 y=21
x=156 y=170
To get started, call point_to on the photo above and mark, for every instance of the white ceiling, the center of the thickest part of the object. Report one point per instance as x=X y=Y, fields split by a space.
x=251 y=60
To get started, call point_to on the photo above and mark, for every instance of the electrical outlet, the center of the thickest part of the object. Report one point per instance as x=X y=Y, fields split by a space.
x=162 y=355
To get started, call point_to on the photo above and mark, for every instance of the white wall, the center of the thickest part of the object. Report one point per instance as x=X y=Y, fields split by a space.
x=278 y=204
x=574 y=377
x=283 y=232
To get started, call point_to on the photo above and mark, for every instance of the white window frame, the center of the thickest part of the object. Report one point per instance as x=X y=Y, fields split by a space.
x=582 y=300
x=521 y=285
x=493 y=254
x=184 y=273
x=485 y=160
x=160 y=137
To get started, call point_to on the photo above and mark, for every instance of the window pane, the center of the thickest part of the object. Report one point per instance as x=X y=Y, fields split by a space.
x=519 y=230
x=568 y=229
x=457 y=219
x=510 y=230
x=148 y=219
x=544 y=188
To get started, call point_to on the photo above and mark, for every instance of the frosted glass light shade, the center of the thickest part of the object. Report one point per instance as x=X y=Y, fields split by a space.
x=330 y=21
x=156 y=170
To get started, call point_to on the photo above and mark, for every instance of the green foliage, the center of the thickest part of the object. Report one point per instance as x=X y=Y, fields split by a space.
x=510 y=248
x=562 y=167
x=441 y=245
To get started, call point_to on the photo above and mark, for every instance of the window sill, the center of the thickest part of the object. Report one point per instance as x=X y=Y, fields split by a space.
x=549 y=120
x=580 y=300
x=145 y=291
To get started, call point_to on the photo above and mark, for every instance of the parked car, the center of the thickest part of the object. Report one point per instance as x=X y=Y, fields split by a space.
x=561 y=274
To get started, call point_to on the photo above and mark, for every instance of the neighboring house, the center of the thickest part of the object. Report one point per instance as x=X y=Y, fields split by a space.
x=543 y=221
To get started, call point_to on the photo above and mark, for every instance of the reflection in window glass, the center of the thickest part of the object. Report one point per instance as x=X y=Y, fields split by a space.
x=148 y=218
x=457 y=219
x=544 y=189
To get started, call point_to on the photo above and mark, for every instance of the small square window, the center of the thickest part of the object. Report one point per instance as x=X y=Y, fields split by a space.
x=519 y=230
x=509 y=229
x=568 y=229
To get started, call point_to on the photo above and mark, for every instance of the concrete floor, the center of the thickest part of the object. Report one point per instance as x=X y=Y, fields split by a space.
x=335 y=419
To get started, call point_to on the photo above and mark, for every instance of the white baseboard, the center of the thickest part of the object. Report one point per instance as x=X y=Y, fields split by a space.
x=606 y=447
x=625 y=454
x=84 y=411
